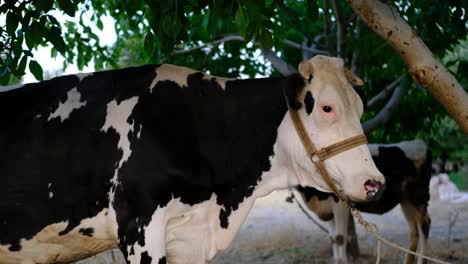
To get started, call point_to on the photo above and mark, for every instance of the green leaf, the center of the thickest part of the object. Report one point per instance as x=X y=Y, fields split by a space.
x=44 y=5
x=22 y=64
x=148 y=45
x=54 y=36
x=239 y=20
x=36 y=30
x=36 y=70
x=99 y=24
x=12 y=21
x=29 y=40
x=67 y=6
x=53 y=20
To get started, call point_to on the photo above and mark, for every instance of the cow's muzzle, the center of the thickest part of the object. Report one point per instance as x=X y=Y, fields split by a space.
x=374 y=190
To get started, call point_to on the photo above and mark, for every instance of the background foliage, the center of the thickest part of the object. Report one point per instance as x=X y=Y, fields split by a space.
x=227 y=37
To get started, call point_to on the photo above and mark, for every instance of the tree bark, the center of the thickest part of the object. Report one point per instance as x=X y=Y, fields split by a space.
x=422 y=65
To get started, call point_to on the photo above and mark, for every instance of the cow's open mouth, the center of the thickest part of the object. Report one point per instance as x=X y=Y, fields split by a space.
x=372 y=189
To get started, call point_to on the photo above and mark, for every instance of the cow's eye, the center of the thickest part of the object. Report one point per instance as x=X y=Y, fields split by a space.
x=327 y=109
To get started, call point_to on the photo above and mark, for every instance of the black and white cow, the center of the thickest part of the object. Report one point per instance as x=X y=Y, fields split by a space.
x=162 y=161
x=406 y=167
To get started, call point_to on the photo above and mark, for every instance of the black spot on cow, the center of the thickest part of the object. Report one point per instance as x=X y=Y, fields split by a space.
x=362 y=95
x=87 y=231
x=223 y=218
x=145 y=258
x=309 y=102
x=162 y=260
x=295 y=85
x=310 y=192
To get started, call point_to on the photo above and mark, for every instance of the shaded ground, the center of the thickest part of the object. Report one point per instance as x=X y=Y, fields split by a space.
x=277 y=232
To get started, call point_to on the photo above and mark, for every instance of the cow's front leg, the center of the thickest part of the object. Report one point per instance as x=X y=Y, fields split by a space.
x=341 y=217
x=144 y=240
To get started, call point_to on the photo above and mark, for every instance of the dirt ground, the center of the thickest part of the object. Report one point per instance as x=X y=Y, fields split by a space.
x=278 y=232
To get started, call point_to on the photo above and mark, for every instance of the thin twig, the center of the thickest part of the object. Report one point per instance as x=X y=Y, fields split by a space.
x=303 y=47
x=221 y=40
x=384 y=93
x=383 y=116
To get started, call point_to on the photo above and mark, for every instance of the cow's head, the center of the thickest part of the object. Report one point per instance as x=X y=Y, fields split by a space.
x=331 y=110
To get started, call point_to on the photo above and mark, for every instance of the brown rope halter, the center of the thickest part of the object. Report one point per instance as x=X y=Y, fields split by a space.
x=319 y=156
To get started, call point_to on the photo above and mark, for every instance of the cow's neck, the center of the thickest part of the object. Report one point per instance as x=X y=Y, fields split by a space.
x=260 y=109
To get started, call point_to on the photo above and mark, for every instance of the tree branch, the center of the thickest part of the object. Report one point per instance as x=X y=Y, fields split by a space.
x=422 y=65
x=384 y=93
x=341 y=28
x=279 y=64
x=235 y=37
x=382 y=117
x=303 y=47
x=218 y=41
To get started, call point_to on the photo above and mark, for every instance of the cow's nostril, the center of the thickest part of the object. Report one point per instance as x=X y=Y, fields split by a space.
x=372 y=187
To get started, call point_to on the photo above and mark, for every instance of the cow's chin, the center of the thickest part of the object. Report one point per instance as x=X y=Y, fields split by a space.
x=359 y=196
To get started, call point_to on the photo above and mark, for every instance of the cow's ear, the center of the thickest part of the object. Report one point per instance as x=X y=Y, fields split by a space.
x=306 y=69
x=352 y=78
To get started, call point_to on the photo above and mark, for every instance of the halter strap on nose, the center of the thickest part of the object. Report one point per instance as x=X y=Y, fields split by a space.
x=319 y=156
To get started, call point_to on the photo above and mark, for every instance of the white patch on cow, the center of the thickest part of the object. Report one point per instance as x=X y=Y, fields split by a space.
x=72 y=103
x=47 y=246
x=83 y=75
x=51 y=194
x=38 y=116
x=10 y=87
x=117 y=119
x=139 y=131
x=49 y=184
x=169 y=72
x=178 y=74
x=154 y=234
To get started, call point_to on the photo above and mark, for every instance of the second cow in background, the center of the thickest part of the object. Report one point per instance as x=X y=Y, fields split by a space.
x=407 y=170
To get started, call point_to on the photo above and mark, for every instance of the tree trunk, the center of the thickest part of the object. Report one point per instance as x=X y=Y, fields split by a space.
x=422 y=65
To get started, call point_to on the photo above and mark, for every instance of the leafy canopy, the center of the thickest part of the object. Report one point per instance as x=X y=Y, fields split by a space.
x=224 y=37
